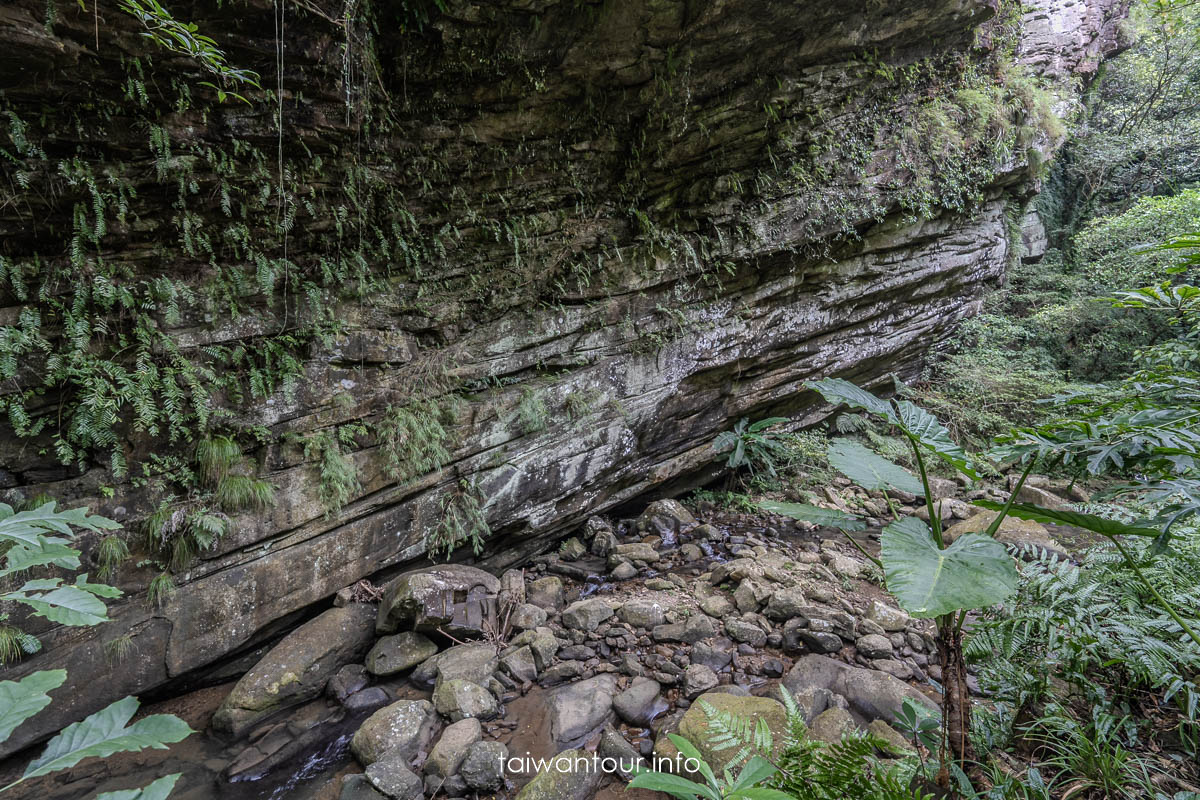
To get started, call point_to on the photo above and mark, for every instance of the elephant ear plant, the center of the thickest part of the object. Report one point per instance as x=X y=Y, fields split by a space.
x=929 y=577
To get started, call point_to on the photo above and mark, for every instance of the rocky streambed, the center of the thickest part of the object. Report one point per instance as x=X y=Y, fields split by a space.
x=456 y=682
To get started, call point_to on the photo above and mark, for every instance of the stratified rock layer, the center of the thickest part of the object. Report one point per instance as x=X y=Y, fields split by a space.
x=580 y=241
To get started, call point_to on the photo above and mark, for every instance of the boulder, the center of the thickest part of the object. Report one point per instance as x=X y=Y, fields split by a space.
x=637 y=551
x=519 y=664
x=483 y=767
x=542 y=642
x=1018 y=532
x=405 y=728
x=459 y=699
x=889 y=618
x=831 y=725
x=717 y=605
x=297 y=669
x=895 y=740
x=695 y=628
x=392 y=776
x=715 y=656
x=358 y=787
x=570 y=775
x=452 y=746
x=641 y=703
x=546 y=593
x=527 y=616
x=1040 y=497
x=473 y=662
x=665 y=516
x=643 y=613
x=743 y=629
x=578 y=710
x=693 y=726
x=346 y=681
x=572 y=549
x=453 y=597
x=586 y=615
x=785 y=604
x=624 y=571
x=393 y=654
x=871 y=694
x=874 y=645
x=698 y=679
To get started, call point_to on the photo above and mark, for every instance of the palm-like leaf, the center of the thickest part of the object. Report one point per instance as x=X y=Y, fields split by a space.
x=974 y=572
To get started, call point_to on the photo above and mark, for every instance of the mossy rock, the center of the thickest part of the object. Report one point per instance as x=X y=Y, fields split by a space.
x=694 y=726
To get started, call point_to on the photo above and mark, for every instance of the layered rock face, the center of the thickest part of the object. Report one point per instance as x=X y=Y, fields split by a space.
x=470 y=272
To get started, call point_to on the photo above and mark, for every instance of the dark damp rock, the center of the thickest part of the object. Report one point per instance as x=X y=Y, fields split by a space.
x=366 y=700
x=640 y=703
x=579 y=709
x=870 y=693
x=454 y=786
x=698 y=679
x=358 y=787
x=572 y=549
x=695 y=628
x=716 y=655
x=577 y=652
x=406 y=726
x=546 y=593
x=346 y=681
x=297 y=669
x=561 y=672
x=820 y=641
x=519 y=664
x=393 y=654
x=453 y=597
x=483 y=766
x=614 y=746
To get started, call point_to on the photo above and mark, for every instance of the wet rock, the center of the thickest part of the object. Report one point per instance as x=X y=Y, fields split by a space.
x=546 y=593
x=297 y=669
x=527 y=616
x=887 y=617
x=366 y=700
x=392 y=776
x=453 y=597
x=695 y=628
x=785 y=604
x=519 y=664
x=393 y=654
x=358 y=787
x=471 y=662
x=571 y=775
x=580 y=709
x=698 y=679
x=693 y=725
x=642 y=613
x=615 y=748
x=458 y=699
x=624 y=571
x=831 y=725
x=715 y=656
x=346 y=681
x=451 y=748
x=561 y=673
x=819 y=641
x=874 y=645
x=586 y=615
x=483 y=766
x=640 y=703
x=895 y=740
x=406 y=727
x=870 y=693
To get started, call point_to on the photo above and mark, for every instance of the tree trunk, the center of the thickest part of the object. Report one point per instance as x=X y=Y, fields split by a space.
x=956 y=700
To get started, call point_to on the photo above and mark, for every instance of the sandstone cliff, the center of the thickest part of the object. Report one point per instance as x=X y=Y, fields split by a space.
x=473 y=268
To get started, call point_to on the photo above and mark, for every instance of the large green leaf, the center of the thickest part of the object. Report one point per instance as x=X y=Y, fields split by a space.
x=974 y=572
x=107 y=732
x=20 y=700
x=66 y=605
x=23 y=525
x=155 y=791
x=825 y=517
x=46 y=552
x=838 y=391
x=1106 y=527
x=925 y=428
x=870 y=470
